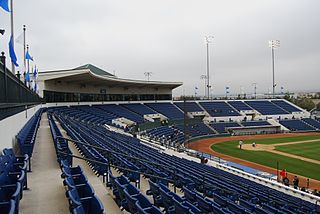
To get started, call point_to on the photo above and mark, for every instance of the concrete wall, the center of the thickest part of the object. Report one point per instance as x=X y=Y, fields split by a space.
x=10 y=126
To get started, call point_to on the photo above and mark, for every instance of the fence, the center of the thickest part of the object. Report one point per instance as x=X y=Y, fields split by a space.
x=15 y=96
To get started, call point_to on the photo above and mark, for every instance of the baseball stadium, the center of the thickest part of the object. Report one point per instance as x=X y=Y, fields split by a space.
x=82 y=140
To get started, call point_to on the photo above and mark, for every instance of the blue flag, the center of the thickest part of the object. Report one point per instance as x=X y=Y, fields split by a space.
x=4 y=4
x=35 y=72
x=28 y=56
x=12 y=53
x=27 y=77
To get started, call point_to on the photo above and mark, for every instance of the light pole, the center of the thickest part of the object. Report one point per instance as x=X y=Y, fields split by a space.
x=255 y=89
x=208 y=40
x=204 y=77
x=148 y=74
x=273 y=44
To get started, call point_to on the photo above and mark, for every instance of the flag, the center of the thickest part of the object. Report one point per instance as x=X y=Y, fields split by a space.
x=4 y=4
x=35 y=72
x=12 y=53
x=27 y=76
x=19 y=39
x=28 y=56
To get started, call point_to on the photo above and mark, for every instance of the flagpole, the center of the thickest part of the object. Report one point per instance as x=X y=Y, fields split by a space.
x=24 y=46
x=12 y=35
x=28 y=63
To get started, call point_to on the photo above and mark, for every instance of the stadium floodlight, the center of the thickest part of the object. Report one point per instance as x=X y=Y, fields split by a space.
x=204 y=77
x=255 y=89
x=209 y=40
x=148 y=74
x=273 y=44
x=2 y=31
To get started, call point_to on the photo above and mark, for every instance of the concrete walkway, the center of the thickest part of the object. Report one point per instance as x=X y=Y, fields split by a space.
x=47 y=193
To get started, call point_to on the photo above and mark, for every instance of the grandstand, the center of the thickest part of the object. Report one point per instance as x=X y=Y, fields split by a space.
x=87 y=150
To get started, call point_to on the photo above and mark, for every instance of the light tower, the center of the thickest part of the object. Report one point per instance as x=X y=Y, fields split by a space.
x=148 y=74
x=273 y=44
x=255 y=89
x=208 y=41
x=204 y=77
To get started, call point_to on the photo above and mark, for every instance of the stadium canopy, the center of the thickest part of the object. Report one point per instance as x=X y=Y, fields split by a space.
x=92 y=83
x=90 y=74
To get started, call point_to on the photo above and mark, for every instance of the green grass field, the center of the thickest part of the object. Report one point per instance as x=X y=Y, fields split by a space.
x=265 y=158
x=309 y=150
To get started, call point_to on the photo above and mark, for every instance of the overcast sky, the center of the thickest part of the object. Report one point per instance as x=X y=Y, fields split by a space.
x=166 y=38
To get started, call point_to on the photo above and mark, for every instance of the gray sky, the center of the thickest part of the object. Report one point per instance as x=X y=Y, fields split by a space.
x=167 y=38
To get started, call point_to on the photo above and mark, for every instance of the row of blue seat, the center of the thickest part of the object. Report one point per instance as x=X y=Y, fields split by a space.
x=182 y=172
x=130 y=198
x=27 y=135
x=13 y=180
x=81 y=196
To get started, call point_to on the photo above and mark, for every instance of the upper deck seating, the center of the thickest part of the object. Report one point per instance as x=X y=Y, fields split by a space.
x=286 y=106
x=167 y=109
x=239 y=105
x=139 y=108
x=190 y=106
x=219 y=109
x=266 y=107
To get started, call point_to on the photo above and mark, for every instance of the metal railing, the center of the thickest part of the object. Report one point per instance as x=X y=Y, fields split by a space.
x=15 y=96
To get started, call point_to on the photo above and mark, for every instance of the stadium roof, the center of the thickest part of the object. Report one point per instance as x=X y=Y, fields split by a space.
x=90 y=74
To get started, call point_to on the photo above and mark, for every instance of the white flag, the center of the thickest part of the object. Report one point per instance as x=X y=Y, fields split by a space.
x=19 y=39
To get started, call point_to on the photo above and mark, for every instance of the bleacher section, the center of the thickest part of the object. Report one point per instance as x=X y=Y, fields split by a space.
x=239 y=105
x=13 y=168
x=219 y=109
x=221 y=127
x=27 y=135
x=13 y=180
x=286 y=106
x=255 y=123
x=190 y=106
x=165 y=135
x=79 y=192
x=195 y=130
x=214 y=190
x=296 y=125
x=121 y=112
x=167 y=109
x=94 y=115
x=266 y=107
x=312 y=122
x=139 y=108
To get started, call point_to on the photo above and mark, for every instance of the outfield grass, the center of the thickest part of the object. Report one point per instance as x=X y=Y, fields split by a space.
x=309 y=150
x=265 y=158
x=283 y=139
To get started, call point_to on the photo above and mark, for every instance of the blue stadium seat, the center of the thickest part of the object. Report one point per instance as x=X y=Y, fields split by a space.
x=219 y=109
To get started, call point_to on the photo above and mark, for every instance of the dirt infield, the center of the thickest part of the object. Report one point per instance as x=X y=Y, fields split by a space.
x=205 y=146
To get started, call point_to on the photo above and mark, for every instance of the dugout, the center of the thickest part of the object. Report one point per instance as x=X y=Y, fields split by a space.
x=253 y=130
